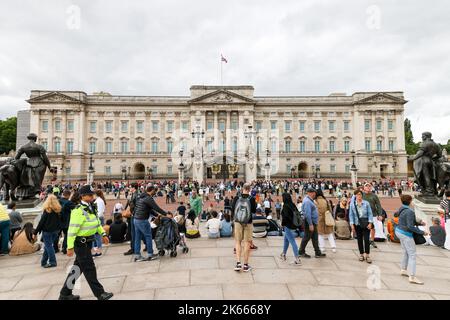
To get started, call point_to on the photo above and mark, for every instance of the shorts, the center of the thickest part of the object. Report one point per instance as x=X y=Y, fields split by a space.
x=243 y=232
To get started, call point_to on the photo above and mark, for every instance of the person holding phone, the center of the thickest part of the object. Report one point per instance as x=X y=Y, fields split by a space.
x=361 y=222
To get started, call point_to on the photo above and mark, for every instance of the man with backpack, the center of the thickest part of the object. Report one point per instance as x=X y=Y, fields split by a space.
x=243 y=207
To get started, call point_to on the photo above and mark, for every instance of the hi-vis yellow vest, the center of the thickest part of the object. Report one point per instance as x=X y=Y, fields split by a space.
x=82 y=224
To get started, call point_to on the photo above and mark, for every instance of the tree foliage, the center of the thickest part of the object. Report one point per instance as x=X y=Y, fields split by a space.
x=411 y=147
x=8 y=132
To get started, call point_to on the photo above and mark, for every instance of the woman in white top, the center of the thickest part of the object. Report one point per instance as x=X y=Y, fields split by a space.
x=213 y=226
x=101 y=207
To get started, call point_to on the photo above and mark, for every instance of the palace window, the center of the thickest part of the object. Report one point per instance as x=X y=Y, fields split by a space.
x=154 y=146
x=58 y=125
x=108 y=147
x=302 y=126
x=139 y=146
x=367 y=125
x=70 y=126
x=287 y=146
x=347 y=146
x=235 y=145
x=390 y=125
x=332 y=146
x=317 y=126
x=379 y=125
x=69 y=147
x=209 y=125
x=124 y=126
x=368 y=145
x=169 y=169
x=169 y=146
x=332 y=168
x=222 y=125
x=258 y=125
x=170 y=126
x=379 y=145
x=234 y=125
x=302 y=146
x=124 y=146
x=140 y=126
x=274 y=146
x=273 y=125
x=332 y=126
x=287 y=126
x=58 y=146
x=317 y=146
x=93 y=126
x=184 y=126
x=45 y=126
x=346 y=126
x=92 y=146
x=45 y=145
x=347 y=168
x=391 y=145
x=209 y=146
x=108 y=171
x=155 y=126
x=108 y=126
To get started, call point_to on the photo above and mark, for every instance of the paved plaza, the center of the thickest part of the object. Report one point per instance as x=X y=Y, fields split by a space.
x=206 y=272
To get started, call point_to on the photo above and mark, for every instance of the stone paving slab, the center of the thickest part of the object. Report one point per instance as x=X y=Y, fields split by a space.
x=284 y=276
x=220 y=276
x=173 y=265
x=126 y=269
x=154 y=281
x=309 y=292
x=27 y=294
x=432 y=285
x=9 y=283
x=367 y=294
x=256 y=291
x=441 y=297
x=361 y=267
x=342 y=278
x=313 y=263
x=197 y=292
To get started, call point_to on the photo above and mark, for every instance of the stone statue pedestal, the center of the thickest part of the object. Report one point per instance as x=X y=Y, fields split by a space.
x=428 y=199
x=425 y=211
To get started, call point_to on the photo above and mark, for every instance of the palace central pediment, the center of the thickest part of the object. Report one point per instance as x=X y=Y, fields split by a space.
x=381 y=98
x=54 y=97
x=222 y=97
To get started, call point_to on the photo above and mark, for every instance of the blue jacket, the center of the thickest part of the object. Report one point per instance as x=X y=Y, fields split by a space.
x=407 y=221
x=353 y=214
x=310 y=211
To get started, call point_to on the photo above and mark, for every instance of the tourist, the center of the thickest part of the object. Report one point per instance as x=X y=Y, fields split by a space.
x=445 y=208
x=213 y=226
x=361 y=220
x=290 y=229
x=260 y=224
x=325 y=231
x=267 y=206
x=278 y=209
x=226 y=227
x=146 y=208
x=299 y=203
x=50 y=226
x=192 y=225
x=100 y=202
x=342 y=228
x=181 y=210
x=4 y=230
x=180 y=219
x=118 y=230
x=404 y=231
x=226 y=205
x=24 y=241
x=15 y=219
x=196 y=203
x=341 y=209
x=375 y=206
x=243 y=230
x=311 y=214
x=67 y=207
x=437 y=234
x=380 y=236
x=131 y=204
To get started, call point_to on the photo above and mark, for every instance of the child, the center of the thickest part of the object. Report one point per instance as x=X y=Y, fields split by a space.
x=213 y=226
x=226 y=227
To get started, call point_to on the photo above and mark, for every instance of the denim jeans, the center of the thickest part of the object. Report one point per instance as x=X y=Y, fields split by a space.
x=4 y=231
x=142 y=231
x=49 y=251
x=289 y=238
x=409 y=253
x=98 y=237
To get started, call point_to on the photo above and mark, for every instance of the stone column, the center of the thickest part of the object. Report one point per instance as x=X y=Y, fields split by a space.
x=216 y=132
x=228 y=134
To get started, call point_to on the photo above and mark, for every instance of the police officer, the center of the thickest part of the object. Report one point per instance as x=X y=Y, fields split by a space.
x=84 y=224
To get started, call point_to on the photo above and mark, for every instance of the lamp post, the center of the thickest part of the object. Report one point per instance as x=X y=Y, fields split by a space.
x=317 y=169
x=267 y=165
x=91 y=171
x=224 y=167
x=124 y=172
x=353 y=169
x=181 y=167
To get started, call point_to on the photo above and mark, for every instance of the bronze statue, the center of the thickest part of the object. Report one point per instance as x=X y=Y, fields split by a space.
x=24 y=177
x=427 y=165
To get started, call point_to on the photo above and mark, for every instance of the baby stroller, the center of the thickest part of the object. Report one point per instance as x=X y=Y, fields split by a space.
x=168 y=238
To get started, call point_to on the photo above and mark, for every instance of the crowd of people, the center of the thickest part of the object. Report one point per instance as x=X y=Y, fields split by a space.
x=242 y=211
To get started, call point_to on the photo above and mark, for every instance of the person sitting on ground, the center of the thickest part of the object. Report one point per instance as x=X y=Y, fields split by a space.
x=107 y=226
x=213 y=226
x=343 y=230
x=192 y=225
x=437 y=234
x=24 y=241
x=226 y=227
x=260 y=224
x=118 y=230
x=380 y=235
x=15 y=219
x=180 y=219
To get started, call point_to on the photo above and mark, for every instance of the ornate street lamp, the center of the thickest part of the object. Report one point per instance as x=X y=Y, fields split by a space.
x=91 y=171
x=353 y=169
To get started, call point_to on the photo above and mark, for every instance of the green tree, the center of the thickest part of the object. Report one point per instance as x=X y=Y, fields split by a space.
x=8 y=132
x=411 y=147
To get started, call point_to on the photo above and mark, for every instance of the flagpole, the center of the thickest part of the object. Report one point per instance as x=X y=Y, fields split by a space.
x=221 y=71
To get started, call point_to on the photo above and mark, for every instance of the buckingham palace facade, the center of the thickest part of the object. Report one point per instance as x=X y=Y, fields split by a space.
x=140 y=137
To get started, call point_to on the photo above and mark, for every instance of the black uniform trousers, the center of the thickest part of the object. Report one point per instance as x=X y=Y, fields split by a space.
x=314 y=236
x=83 y=264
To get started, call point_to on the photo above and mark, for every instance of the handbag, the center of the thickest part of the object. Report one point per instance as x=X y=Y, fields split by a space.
x=329 y=220
x=127 y=212
x=419 y=239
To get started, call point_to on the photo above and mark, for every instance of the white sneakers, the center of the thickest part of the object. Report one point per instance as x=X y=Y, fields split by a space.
x=412 y=279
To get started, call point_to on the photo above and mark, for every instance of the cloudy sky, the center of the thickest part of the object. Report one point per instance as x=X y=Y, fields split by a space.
x=282 y=47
